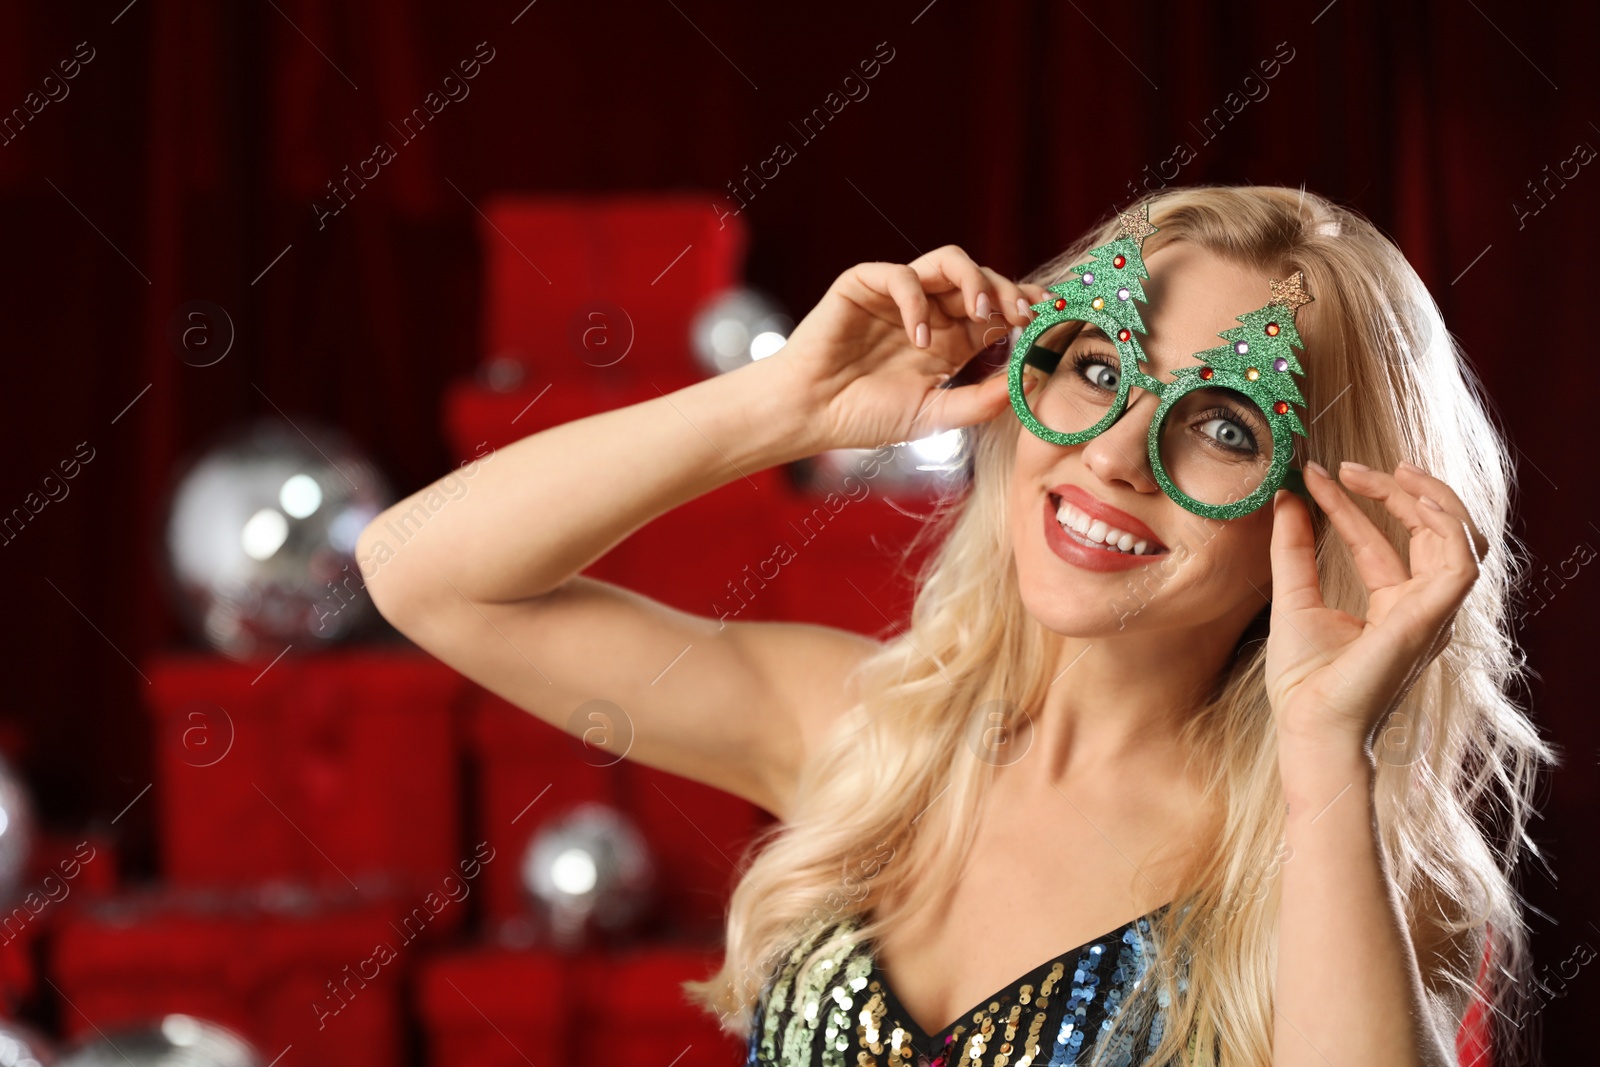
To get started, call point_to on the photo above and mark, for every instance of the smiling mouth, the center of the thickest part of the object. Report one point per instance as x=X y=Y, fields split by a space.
x=1096 y=533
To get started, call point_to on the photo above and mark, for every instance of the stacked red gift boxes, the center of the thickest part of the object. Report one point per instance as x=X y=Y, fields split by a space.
x=341 y=834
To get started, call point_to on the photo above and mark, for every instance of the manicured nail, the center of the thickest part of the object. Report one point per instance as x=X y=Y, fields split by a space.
x=1413 y=468
x=923 y=337
x=1023 y=307
x=982 y=304
x=1429 y=501
x=1312 y=464
x=1353 y=465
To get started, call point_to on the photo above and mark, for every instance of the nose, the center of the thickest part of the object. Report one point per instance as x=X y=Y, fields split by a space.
x=1119 y=453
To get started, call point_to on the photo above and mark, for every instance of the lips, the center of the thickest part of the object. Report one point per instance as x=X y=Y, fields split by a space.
x=1113 y=518
x=1089 y=556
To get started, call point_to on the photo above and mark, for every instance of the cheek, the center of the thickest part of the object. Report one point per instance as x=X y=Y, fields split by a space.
x=1231 y=562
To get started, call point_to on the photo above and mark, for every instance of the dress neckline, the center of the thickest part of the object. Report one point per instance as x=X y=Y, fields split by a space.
x=935 y=1041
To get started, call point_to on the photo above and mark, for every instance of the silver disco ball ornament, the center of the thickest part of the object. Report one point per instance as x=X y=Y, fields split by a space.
x=504 y=373
x=23 y=1046
x=170 y=1041
x=588 y=871
x=735 y=327
x=16 y=832
x=261 y=534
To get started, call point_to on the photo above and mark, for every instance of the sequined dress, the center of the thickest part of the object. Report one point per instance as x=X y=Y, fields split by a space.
x=845 y=1014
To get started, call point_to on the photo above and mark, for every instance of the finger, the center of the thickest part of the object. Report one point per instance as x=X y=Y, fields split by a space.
x=902 y=285
x=1421 y=520
x=949 y=270
x=1376 y=485
x=1376 y=560
x=1010 y=303
x=1295 y=584
x=964 y=405
x=1459 y=567
x=1420 y=482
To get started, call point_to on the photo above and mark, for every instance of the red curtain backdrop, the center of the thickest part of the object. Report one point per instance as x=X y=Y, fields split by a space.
x=192 y=154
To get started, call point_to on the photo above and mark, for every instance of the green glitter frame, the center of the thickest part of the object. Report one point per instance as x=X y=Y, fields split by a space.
x=1118 y=314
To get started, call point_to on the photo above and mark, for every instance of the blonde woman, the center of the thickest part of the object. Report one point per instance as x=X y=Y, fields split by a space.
x=1259 y=791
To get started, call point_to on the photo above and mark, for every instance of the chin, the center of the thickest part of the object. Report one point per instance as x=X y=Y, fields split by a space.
x=1078 y=603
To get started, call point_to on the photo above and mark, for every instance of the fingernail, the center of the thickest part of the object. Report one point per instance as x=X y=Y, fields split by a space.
x=1429 y=501
x=1312 y=464
x=923 y=337
x=1029 y=382
x=1023 y=307
x=983 y=307
x=1353 y=465
x=1413 y=467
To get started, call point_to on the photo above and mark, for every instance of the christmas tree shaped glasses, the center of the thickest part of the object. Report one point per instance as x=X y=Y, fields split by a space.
x=1220 y=441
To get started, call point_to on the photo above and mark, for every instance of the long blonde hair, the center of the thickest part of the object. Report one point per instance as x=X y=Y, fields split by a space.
x=1457 y=760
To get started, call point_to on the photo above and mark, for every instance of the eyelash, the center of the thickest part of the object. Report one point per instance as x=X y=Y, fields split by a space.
x=1233 y=417
x=1085 y=357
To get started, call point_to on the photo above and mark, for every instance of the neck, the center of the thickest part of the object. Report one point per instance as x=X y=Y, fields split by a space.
x=1123 y=699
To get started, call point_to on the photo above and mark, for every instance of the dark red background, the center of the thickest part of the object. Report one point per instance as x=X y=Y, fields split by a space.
x=192 y=147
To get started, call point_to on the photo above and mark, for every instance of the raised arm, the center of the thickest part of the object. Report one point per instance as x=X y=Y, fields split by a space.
x=490 y=585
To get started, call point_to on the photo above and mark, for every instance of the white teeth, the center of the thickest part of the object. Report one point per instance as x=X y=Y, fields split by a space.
x=1097 y=532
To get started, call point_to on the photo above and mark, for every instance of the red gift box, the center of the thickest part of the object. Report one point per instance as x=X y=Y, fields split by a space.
x=697 y=837
x=318 y=972
x=489 y=1007
x=701 y=557
x=841 y=561
x=478 y=419
x=335 y=768
x=531 y=773
x=604 y=288
x=528 y=774
x=688 y=557
x=636 y=1012
x=60 y=868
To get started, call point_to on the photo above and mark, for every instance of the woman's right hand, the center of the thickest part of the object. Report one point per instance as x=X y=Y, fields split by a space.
x=866 y=364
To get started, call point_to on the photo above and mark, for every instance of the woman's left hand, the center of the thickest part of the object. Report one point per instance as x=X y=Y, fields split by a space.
x=1329 y=675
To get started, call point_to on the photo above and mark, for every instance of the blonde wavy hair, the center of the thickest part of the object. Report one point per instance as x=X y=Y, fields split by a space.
x=1458 y=760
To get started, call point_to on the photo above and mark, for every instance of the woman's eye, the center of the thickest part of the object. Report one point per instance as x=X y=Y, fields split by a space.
x=1228 y=434
x=1104 y=377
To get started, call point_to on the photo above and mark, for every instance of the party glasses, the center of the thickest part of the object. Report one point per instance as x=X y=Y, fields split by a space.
x=1220 y=440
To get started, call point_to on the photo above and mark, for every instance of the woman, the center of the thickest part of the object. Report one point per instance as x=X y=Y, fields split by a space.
x=1264 y=781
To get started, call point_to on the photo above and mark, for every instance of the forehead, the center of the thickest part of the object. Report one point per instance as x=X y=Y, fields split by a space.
x=1193 y=296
